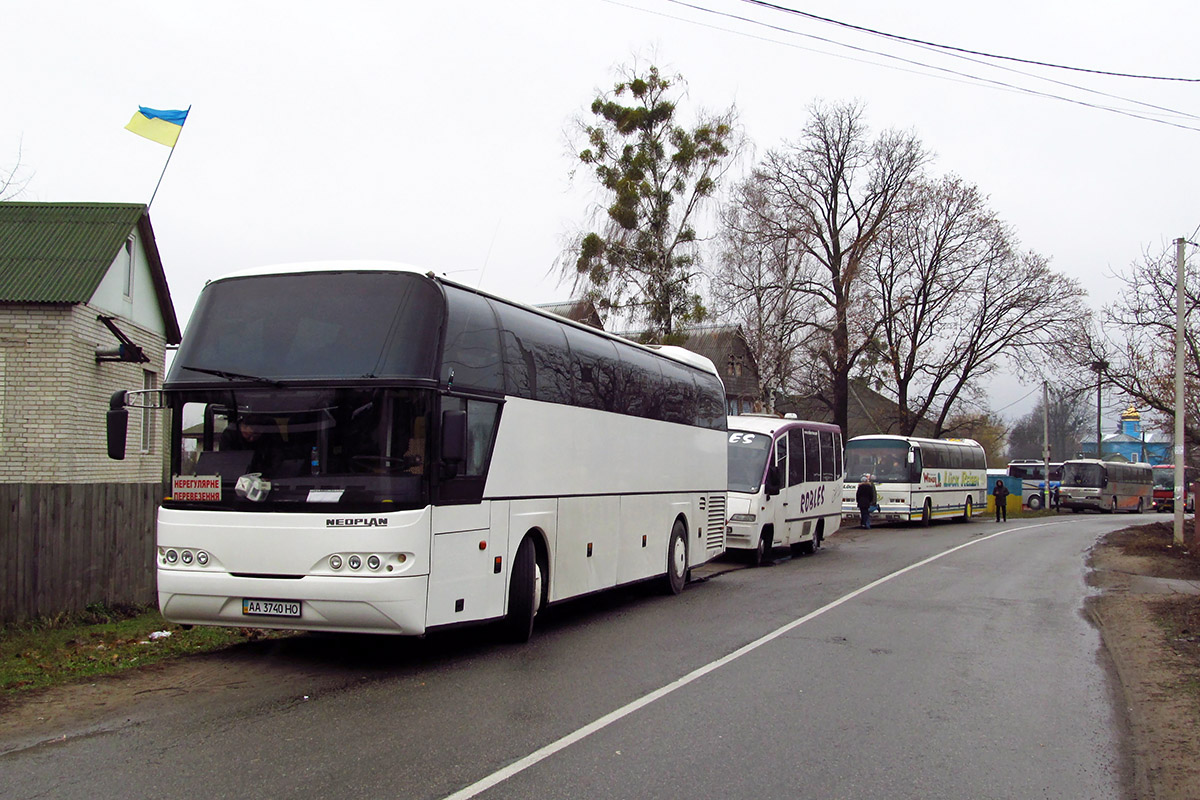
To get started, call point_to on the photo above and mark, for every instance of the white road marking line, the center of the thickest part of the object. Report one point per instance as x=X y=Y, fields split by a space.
x=545 y=752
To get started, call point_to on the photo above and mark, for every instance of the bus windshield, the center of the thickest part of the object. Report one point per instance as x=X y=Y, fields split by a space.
x=300 y=449
x=885 y=460
x=318 y=325
x=1164 y=478
x=747 y=460
x=1083 y=475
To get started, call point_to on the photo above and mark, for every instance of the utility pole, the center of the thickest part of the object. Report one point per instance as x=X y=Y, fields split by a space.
x=1180 y=490
x=1046 y=444
x=1099 y=366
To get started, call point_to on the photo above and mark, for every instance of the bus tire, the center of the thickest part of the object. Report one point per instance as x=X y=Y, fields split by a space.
x=761 y=552
x=1141 y=509
x=1112 y=506
x=1035 y=502
x=967 y=511
x=677 y=560
x=927 y=513
x=524 y=593
x=805 y=548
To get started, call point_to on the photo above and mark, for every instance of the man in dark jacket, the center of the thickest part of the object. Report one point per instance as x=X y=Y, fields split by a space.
x=1000 y=493
x=866 y=498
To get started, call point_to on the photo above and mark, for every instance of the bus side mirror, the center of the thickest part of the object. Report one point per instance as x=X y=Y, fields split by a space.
x=911 y=457
x=454 y=441
x=117 y=423
x=771 y=486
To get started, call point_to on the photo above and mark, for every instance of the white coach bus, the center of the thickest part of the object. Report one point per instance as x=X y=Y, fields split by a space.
x=917 y=479
x=785 y=484
x=366 y=448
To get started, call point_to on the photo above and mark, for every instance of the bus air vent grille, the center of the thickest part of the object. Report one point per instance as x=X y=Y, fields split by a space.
x=715 y=527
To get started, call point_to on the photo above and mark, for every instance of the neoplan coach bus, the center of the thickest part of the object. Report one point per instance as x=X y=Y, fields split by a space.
x=915 y=478
x=365 y=448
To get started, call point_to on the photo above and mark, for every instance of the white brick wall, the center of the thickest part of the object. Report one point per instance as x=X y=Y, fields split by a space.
x=53 y=397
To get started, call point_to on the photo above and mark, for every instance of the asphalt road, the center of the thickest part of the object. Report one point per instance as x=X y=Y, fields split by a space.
x=948 y=662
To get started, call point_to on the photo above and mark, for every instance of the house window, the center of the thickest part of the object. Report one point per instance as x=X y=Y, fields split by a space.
x=148 y=431
x=126 y=260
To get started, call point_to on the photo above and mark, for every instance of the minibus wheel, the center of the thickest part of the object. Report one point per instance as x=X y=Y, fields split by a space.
x=763 y=550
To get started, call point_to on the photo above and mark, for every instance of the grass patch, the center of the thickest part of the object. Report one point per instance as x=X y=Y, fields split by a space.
x=102 y=641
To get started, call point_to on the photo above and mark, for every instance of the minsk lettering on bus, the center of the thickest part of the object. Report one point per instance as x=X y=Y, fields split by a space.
x=948 y=479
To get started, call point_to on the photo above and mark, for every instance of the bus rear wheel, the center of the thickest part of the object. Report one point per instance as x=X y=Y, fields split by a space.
x=1141 y=509
x=524 y=593
x=967 y=511
x=677 y=560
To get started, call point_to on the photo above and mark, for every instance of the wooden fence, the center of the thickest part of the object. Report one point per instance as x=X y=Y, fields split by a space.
x=65 y=546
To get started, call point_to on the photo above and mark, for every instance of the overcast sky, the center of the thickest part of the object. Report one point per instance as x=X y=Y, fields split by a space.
x=436 y=133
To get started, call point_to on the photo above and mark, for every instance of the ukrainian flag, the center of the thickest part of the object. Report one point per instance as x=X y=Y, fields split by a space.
x=158 y=126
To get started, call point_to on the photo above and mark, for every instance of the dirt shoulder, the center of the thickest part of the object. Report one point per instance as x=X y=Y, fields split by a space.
x=1149 y=621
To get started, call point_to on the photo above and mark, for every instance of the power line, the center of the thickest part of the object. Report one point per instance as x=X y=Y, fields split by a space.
x=898 y=38
x=960 y=76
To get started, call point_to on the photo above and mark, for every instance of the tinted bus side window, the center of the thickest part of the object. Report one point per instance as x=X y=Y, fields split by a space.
x=796 y=465
x=472 y=349
x=827 y=459
x=812 y=456
x=537 y=363
x=594 y=367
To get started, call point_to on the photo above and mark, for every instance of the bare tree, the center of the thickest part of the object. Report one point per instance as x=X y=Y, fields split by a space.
x=755 y=286
x=954 y=299
x=1135 y=351
x=834 y=192
x=1068 y=421
x=14 y=180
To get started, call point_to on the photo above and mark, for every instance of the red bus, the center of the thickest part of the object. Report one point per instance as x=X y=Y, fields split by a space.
x=1164 y=488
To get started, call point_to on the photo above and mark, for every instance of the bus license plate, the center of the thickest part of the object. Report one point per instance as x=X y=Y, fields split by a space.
x=271 y=608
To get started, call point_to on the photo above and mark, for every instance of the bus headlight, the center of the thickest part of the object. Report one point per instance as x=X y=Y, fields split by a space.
x=742 y=518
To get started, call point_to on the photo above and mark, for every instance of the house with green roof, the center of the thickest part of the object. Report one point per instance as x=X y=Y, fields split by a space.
x=84 y=311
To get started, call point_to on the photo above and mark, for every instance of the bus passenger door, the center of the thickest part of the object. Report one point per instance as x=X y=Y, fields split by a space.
x=779 y=504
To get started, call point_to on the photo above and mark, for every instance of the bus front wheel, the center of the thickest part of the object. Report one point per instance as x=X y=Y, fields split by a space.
x=927 y=513
x=677 y=560
x=524 y=593
x=1035 y=502
x=763 y=550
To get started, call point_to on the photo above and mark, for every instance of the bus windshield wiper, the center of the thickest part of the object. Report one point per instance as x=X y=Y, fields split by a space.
x=233 y=376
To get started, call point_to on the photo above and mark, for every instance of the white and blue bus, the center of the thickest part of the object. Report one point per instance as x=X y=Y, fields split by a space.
x=785 y=484
x=1032 y=475
x=917 y=479
x=369 y=448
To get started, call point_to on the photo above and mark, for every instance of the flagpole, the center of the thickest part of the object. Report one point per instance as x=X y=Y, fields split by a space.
x=167 y=164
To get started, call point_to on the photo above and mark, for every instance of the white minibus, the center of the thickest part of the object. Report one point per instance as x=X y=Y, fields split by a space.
x=785 y=478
